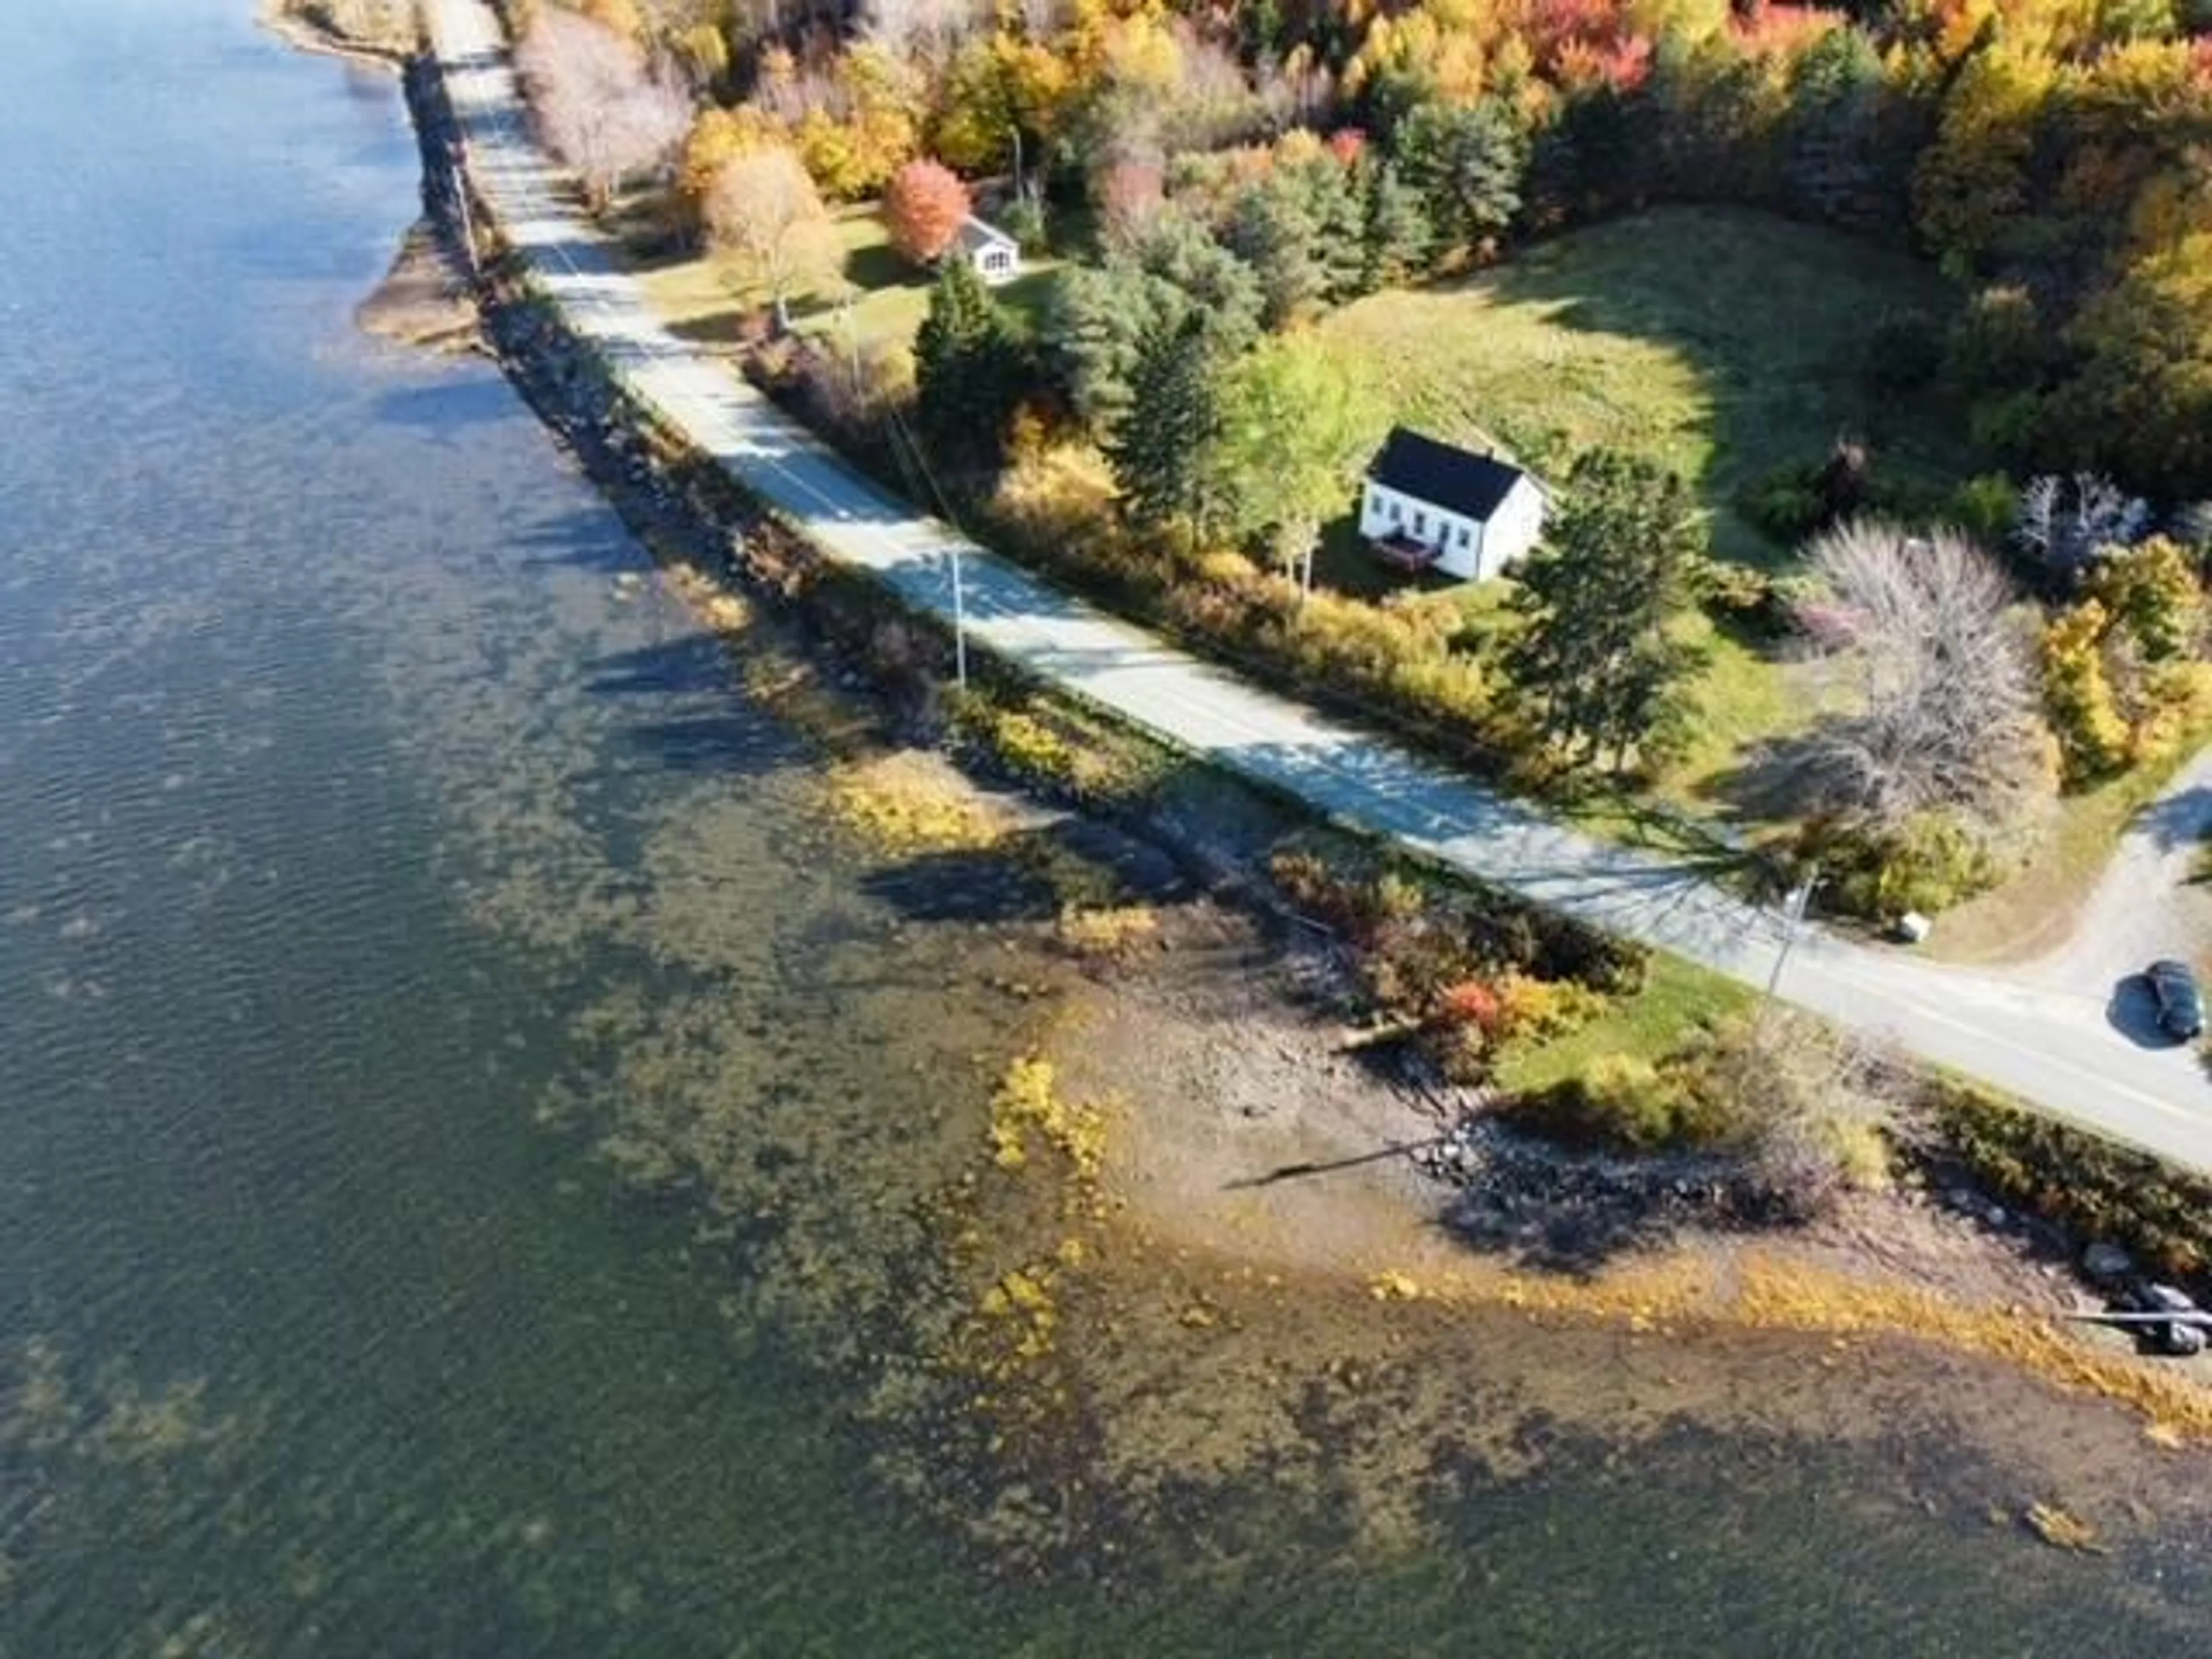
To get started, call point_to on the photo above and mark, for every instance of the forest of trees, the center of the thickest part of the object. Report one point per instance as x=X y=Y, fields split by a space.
x=1231 y=173
x=2053 y=156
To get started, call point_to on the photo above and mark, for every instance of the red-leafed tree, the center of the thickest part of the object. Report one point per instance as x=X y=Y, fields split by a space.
x=923 y=208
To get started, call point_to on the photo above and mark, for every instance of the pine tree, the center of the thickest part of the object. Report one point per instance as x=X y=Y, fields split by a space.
x=1273 y=229
x=1470 y=166
x=967 y=368
x=1162 y=456
x=1593 y=663
x=1395 y=233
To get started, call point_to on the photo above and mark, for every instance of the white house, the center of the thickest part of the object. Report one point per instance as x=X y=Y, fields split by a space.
x=1429 y=503
x=996 y=256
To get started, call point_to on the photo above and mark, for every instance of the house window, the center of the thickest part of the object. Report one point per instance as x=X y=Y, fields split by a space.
x=1397 y=512
x=1420 y=522
x=1462 y=535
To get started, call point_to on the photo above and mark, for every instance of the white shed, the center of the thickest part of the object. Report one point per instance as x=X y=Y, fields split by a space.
x=996 y=256
x=1428 y=503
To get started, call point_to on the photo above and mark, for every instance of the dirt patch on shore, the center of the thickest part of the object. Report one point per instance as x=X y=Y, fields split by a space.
x=1270 y=1221
x=1255 y=1129
x=424 y=301
x=384 y=33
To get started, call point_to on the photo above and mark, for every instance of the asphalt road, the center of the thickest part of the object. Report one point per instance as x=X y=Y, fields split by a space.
x=2069 y=1048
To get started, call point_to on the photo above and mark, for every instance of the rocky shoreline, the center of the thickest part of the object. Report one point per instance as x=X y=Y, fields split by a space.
x=1533 y=1201
x=380 y=35
x=1463 y=1214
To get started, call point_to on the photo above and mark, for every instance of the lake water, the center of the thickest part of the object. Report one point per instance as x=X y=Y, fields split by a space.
x=474 y=1134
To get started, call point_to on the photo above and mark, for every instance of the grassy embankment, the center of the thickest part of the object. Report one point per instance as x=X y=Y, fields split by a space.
x=702 y=298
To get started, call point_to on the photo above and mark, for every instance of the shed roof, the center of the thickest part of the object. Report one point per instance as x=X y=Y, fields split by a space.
x=1444 y=475
x=975 y=235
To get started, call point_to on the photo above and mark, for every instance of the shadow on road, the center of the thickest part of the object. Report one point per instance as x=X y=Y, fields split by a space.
x=2178 y=821
x=2133 y=1012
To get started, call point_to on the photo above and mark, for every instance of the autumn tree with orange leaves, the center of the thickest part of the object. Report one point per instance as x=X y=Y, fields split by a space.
x=924 y=207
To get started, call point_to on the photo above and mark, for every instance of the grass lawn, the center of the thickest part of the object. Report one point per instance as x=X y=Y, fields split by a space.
x=702 y=298
x=1678 y=997
x=1720 y=341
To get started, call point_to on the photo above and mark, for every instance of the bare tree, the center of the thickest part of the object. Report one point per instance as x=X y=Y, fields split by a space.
x=1299 y=92
x=603 y=109
x=923 y=31
x=2191 y=524
x=1822 y=1111
x=765 y=212
x=2064 y=524
x=1939 y=703
x=1043 y=19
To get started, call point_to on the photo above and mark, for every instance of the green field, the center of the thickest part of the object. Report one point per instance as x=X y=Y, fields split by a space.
x=702 y=298
x=1721 y=342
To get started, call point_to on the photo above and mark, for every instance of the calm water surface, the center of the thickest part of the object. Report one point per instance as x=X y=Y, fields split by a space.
x=465 y=1121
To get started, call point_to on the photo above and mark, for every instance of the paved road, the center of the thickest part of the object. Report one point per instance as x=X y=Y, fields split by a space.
x=2053 y=1046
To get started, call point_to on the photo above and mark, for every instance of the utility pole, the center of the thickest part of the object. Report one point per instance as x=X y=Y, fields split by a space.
x=1793 y=923
x=852 y=337
x=959 y=622
x=468 y=227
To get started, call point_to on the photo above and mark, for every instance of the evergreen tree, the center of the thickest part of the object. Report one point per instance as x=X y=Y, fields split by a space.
x=1179 y=250
x=1394 y=233
x=1469 y=166
x=1836 y=105
x=1273 y=229
x=1163 y=455
x=967 y=368
x=1100 y=317
x=1593 y=663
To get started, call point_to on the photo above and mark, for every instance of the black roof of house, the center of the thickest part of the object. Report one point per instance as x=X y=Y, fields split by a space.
x=1443 y=475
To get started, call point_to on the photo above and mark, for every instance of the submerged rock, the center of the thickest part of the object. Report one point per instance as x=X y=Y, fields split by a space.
x=2106 y=1261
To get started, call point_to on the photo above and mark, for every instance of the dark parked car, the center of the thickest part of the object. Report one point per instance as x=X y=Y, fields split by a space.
x=2180 y=1003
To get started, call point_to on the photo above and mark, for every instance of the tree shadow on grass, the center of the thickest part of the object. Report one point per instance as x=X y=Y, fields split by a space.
x=728 y=330
x=1770 y=318
x=1030 y=296
x=879 y=265
x=639 y=221
x=1767 y=784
